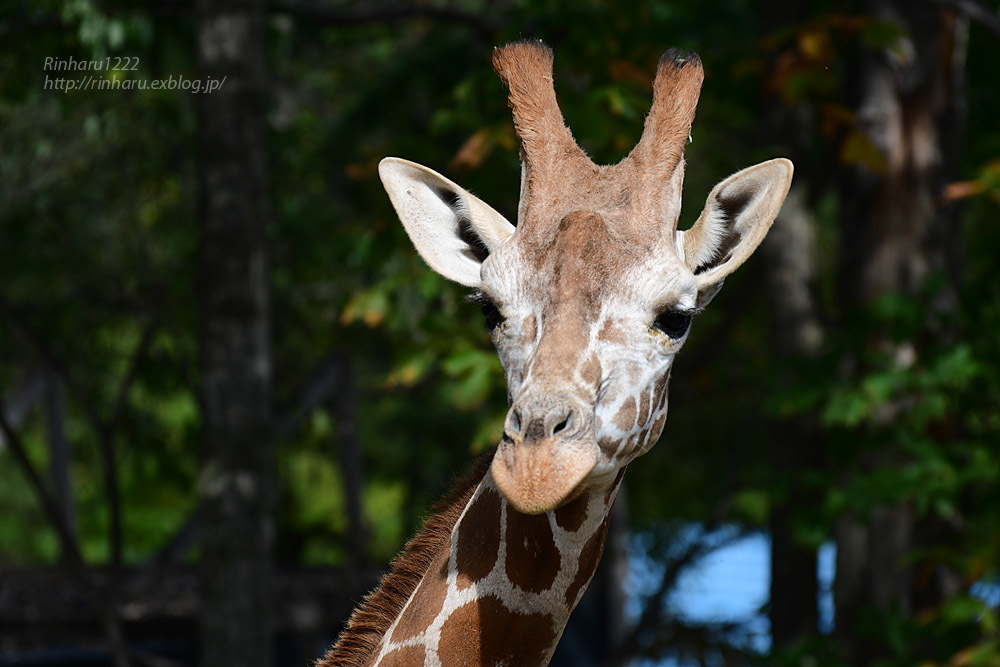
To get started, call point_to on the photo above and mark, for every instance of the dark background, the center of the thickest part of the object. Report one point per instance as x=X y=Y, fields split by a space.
x=230 y=388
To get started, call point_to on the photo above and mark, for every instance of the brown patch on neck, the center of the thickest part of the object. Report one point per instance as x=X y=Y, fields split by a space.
x=362 y=637
x=485 y=632
x=590 y=556
x=614 y=487
x=591 y=553
x=571 y=516
x=532 y=557
x=478 y=539
x=407 y=656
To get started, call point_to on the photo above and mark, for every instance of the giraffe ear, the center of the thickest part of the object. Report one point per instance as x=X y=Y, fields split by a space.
x=452 y=229
x=737 y=215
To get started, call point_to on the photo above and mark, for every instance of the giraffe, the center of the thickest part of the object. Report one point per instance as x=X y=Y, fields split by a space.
x=587 y=301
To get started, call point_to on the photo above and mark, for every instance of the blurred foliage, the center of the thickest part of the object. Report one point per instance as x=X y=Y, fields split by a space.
x=99 y=239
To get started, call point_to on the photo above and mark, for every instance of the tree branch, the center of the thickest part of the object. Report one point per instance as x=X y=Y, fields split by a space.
x=51 y=359
x=106 y=430
x=680 y=640
x=65 y=534
x=60 y=457
x=153 y=571
x=70 y=549
x=632 y=645
x=121 y=396
x=344 y=406
x=326 y=377
x=22 y=398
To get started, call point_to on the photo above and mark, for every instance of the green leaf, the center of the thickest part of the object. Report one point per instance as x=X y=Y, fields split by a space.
x=752 y=504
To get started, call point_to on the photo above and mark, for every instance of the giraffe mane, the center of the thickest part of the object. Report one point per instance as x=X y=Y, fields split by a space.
x=376 y=613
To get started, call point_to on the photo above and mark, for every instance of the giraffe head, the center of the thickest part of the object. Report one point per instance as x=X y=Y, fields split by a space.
x=590 y=297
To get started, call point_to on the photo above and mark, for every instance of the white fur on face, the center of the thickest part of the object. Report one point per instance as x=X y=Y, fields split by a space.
x=633 y=360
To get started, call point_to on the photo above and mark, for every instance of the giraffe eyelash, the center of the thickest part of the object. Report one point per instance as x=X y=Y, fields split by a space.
x=674 y=323
x=491 y=312
x=686 y=312
x=478 y=297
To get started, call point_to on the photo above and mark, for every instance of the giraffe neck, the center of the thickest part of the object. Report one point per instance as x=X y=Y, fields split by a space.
x=479 y=574
x=502 y=575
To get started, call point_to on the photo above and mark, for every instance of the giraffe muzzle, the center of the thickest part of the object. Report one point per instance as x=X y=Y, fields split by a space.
x=547 y=451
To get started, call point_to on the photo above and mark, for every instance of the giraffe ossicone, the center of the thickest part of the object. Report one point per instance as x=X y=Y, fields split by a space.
x=591 y=295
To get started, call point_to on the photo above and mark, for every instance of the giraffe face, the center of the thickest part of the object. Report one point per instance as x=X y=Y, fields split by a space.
x=589 y=304
x=588 y=320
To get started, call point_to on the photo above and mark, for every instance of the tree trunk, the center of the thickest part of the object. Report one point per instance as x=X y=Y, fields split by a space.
x=238 y=469
x=343 y=404
x=909 y=103
x=59 y=453
x=896 y=234
x=792 y=265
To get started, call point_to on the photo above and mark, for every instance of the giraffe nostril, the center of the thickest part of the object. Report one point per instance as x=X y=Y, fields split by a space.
x=563 y=425
x=514 y=422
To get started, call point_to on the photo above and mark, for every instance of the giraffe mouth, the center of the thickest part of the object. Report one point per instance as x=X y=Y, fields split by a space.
x=541 y=476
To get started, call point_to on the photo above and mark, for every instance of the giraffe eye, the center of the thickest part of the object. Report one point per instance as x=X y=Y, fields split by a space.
x=492 y=315
x=673 y=323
